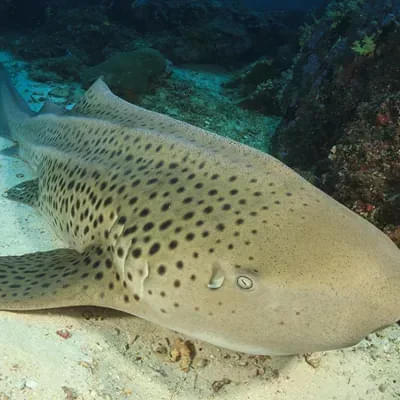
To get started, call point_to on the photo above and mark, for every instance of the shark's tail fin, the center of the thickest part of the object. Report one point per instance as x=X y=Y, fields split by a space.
x=13 y=107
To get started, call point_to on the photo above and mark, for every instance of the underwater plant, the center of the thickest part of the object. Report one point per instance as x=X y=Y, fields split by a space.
x=365 y=46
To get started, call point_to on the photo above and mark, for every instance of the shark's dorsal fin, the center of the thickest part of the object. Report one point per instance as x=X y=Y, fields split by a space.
x=94 y=99
x=101 y=103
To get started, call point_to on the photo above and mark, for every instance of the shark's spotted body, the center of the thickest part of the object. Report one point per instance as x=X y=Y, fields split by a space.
x=192 y=231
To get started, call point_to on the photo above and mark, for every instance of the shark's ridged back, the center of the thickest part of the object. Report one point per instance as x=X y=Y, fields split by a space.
x=99 y=102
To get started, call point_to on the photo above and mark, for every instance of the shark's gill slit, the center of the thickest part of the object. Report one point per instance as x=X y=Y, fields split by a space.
x=217 y=277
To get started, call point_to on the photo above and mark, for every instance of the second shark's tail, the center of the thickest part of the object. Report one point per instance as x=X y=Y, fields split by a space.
x=13 y=108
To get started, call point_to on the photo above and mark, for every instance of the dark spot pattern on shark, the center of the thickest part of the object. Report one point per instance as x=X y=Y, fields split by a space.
x=191 y=231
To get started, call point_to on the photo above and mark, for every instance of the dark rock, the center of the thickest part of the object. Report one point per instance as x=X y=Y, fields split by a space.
x=22 y=14
x=186 y=31
x=331 y=77
x=258 y=86
x=254 y=74
x=129 y=74
x=341 y=108
x=389 y=212
x=67 y=67
x=209 y=31
x=83 y=32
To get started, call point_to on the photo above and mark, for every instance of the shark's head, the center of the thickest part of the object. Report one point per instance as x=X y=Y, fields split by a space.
x=294 y=300
x=303 y=276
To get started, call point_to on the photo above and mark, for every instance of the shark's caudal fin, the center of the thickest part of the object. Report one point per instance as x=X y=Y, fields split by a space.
x=12 y=106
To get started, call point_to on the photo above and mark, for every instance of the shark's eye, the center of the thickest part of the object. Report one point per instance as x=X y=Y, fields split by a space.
x=244 y=282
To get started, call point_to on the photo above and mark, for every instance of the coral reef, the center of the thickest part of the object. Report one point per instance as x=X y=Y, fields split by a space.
x=336 y=69
x=340 y=110
x=365 y=164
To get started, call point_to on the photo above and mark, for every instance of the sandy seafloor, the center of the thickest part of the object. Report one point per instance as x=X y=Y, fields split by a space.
x=109 y=355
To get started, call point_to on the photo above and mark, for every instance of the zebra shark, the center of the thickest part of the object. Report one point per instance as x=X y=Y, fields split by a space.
x=191 y=231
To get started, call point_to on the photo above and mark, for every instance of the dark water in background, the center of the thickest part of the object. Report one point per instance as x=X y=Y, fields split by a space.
x=284 y=4
x=30 y=13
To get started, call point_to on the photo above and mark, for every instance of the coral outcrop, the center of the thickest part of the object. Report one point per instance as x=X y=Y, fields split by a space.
x=341 y=108
x=129 y=73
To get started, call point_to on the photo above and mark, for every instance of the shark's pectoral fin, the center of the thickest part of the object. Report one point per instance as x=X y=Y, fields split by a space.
x=25 y=192
x=53 y=279
x=12 y=151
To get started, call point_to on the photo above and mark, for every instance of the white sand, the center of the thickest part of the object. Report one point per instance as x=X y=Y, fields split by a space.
x=110 y=355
